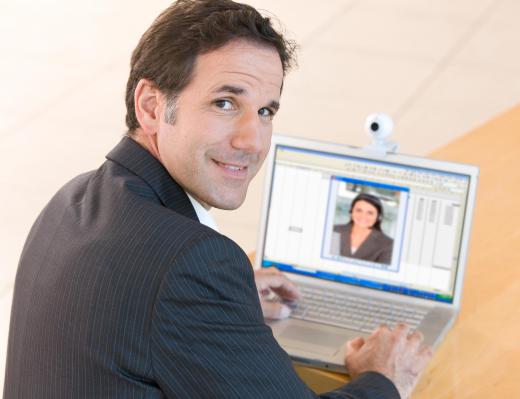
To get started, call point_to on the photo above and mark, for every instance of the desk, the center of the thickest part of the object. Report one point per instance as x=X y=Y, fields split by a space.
x=480 y=357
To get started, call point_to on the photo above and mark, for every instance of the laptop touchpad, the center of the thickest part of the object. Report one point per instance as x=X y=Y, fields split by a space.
x=316 y=340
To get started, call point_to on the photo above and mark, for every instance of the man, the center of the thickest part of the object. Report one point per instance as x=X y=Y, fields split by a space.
x=124 y=291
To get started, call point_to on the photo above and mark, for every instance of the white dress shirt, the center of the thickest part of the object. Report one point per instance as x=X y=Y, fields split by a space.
x=204 y=216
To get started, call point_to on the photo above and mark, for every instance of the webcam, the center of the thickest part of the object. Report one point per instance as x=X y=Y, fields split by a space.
x=380 y=126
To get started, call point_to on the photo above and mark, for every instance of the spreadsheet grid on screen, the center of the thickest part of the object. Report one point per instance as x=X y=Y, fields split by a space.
x=423 y=212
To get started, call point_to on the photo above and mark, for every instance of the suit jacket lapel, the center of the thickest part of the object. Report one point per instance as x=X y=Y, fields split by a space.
x=139 y=161
x=367 y=247
x=346 y=245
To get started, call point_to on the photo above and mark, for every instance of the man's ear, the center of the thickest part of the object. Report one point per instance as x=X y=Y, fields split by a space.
x=147 y=100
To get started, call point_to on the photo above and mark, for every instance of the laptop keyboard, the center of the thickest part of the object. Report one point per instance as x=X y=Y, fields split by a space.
x=352 y=312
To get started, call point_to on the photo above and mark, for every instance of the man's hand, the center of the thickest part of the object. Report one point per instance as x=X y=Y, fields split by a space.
x=397 y=354
x=271 y=280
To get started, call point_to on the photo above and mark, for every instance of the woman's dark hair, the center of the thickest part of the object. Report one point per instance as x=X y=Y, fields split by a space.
x=167 y=51
x=375 y=202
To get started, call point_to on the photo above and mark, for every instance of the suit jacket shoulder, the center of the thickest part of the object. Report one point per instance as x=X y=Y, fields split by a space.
x=121 y=292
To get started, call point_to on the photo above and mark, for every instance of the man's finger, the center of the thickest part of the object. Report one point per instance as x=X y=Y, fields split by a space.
x=402 y=329
x=414 y=340
x=383 y=329
x=277 y=282
x=354 y=345
x=422 y=359
x=274 y=310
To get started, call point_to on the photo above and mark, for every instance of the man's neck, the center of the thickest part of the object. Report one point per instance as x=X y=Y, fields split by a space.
x=150 y=144
x=146 y=141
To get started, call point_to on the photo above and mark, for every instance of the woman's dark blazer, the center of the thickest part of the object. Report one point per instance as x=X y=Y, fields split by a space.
x=376 y=248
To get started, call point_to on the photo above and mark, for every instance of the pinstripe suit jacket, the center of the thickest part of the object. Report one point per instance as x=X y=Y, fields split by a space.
x=121 y=293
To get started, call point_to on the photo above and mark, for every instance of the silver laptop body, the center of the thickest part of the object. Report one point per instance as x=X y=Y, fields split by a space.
x=427 y=208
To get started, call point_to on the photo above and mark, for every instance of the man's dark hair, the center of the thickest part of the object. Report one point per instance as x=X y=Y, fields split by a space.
x=167 y=51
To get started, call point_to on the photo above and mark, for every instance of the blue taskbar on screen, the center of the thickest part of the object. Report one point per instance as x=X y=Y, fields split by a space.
x=360 y=282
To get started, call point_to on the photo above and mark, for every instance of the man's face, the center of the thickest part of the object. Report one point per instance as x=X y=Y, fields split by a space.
x=223 y=123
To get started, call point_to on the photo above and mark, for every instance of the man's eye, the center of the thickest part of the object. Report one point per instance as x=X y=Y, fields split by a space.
x=266 y=112
x=224 y=104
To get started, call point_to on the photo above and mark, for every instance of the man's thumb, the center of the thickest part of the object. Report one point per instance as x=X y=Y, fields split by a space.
x=354 y=345
x=274 y=310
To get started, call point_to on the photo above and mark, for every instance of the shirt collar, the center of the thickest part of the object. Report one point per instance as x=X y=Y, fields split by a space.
x=204 y=216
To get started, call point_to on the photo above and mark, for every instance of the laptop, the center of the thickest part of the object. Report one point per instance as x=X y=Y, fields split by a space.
x=410 y=267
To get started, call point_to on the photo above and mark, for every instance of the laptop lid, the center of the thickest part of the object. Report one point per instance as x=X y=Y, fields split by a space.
x=418 y=212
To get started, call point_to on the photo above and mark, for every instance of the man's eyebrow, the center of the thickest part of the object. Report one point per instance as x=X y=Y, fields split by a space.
x=229 y=89
x=239 y=90
x=274 y=105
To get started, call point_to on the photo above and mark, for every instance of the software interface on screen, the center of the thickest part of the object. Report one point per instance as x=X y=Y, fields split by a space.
x=413 y=250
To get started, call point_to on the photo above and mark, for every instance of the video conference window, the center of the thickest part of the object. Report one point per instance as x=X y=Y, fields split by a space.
x=420 y=223
x=364 y=223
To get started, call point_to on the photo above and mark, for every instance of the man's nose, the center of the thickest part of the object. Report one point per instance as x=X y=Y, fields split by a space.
x=248 y=134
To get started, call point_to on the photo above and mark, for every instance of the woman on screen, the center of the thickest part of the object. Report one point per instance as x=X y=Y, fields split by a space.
x=362 y=238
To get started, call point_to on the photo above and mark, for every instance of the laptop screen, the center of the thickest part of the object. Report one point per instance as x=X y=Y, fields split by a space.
x=374 y=224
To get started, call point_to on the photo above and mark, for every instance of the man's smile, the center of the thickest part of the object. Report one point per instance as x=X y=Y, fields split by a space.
x=234 y=170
